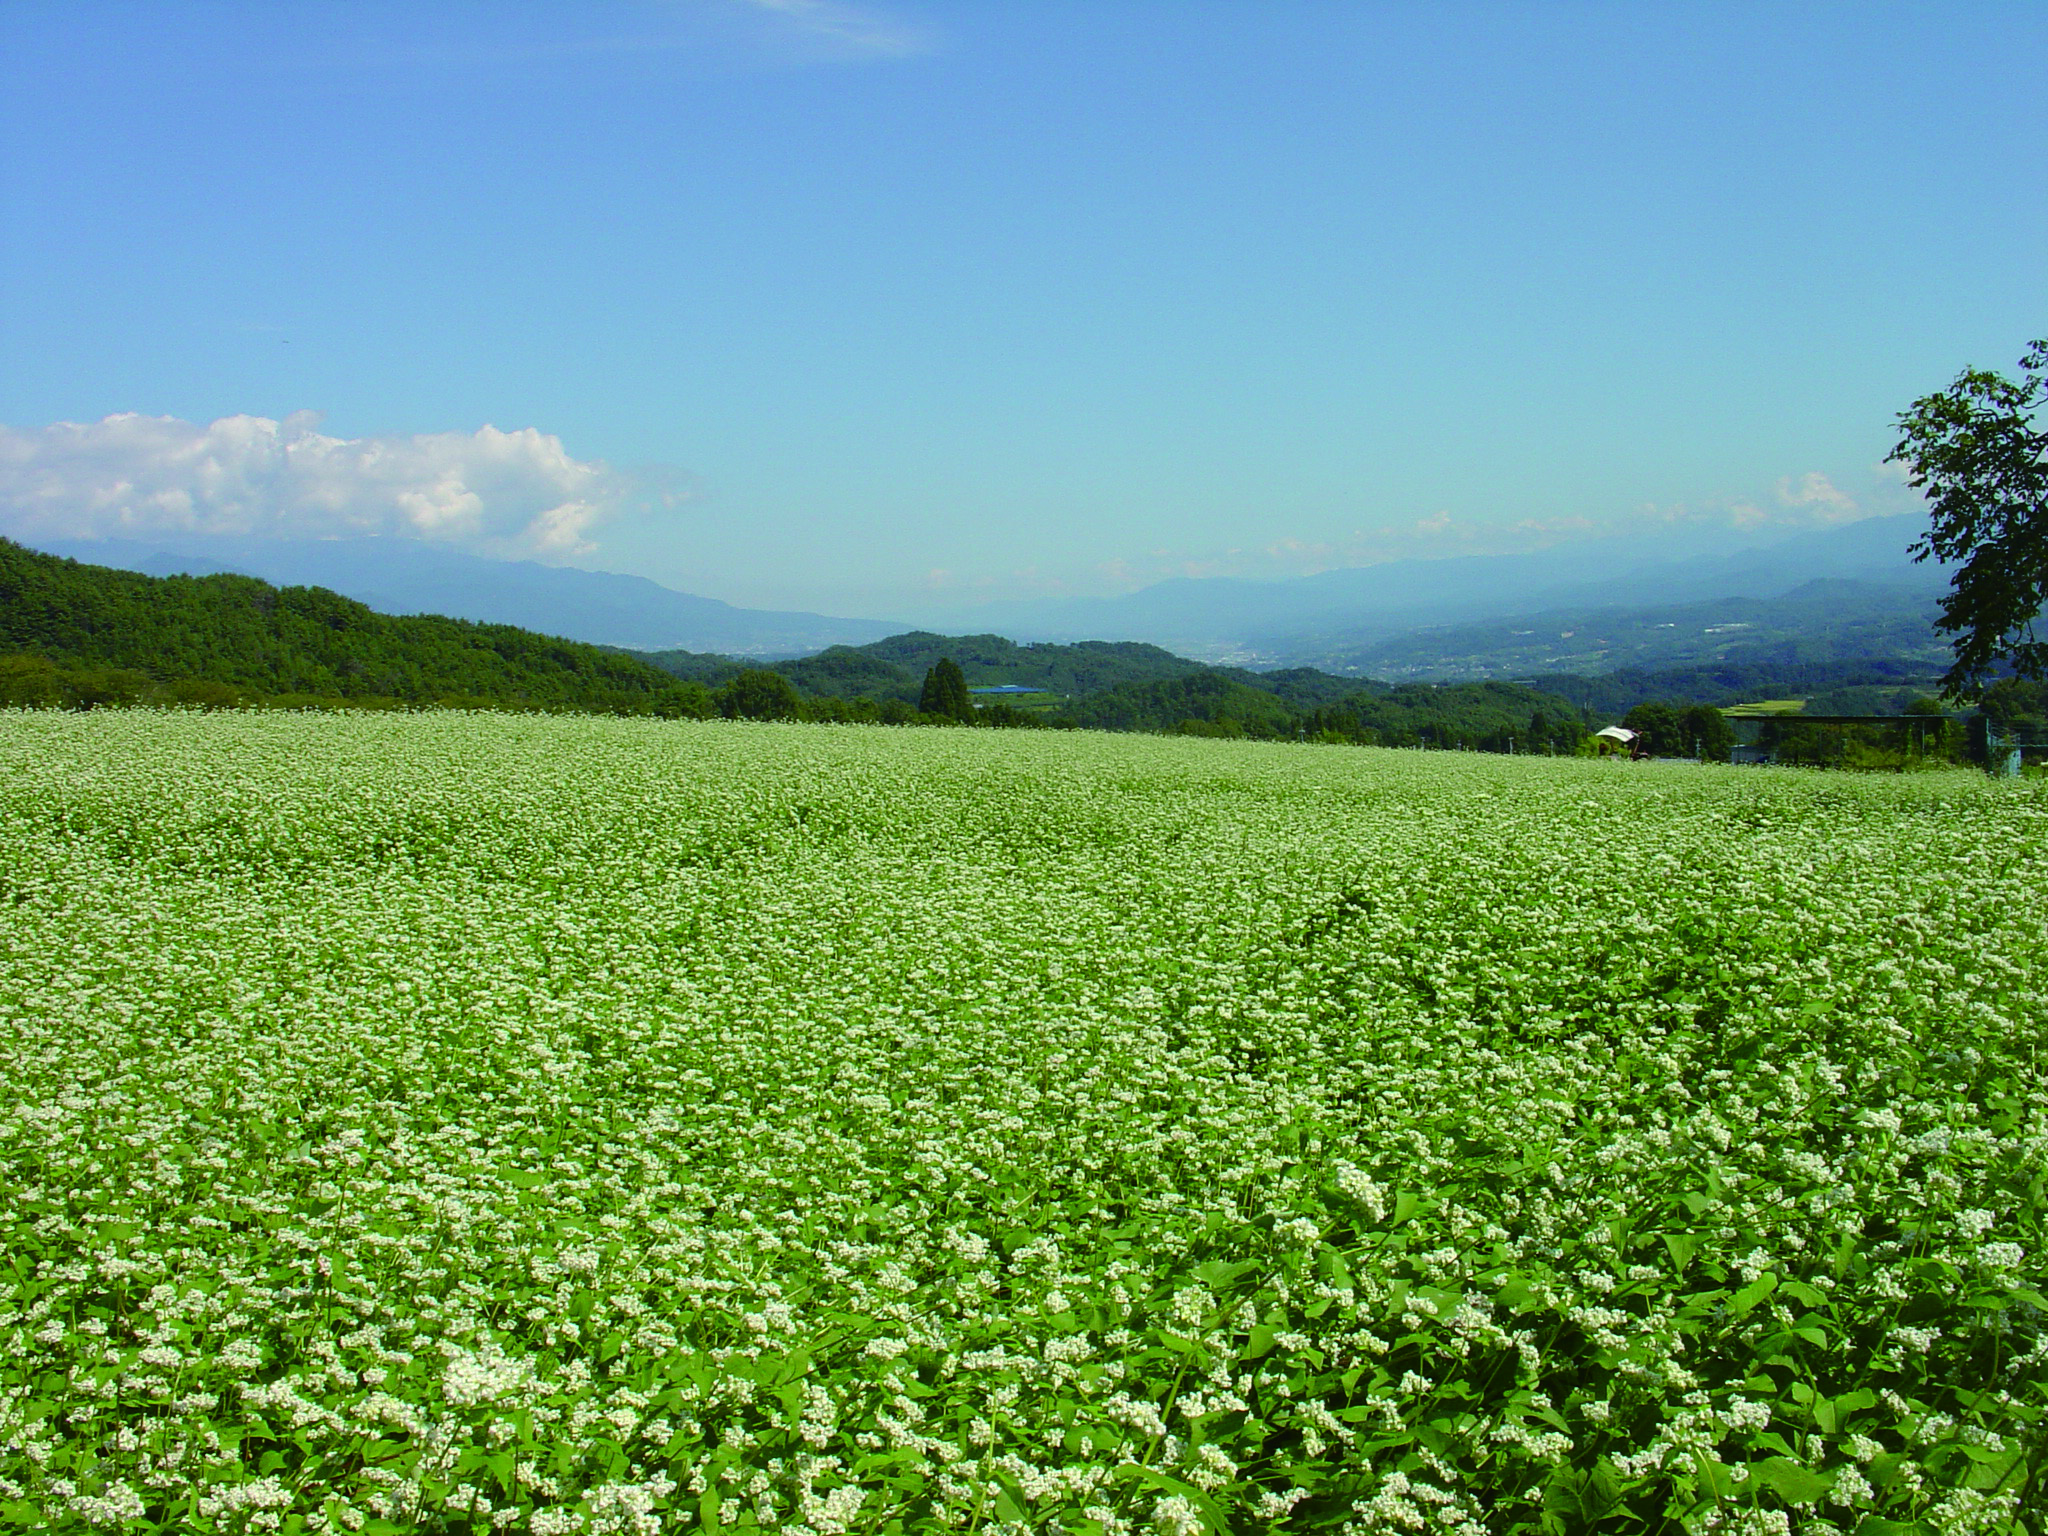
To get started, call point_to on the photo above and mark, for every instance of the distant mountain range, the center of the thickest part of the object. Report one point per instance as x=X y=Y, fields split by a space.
x=1310 y=619
x=1581 y=608
x=406 y=576
x=1830 y=619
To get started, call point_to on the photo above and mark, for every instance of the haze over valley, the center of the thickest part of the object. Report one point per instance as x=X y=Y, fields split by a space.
x=1843 y=593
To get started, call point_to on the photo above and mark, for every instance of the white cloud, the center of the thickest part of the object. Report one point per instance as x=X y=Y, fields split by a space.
x=499 y=493
x=846 y=30
x=1815 y=495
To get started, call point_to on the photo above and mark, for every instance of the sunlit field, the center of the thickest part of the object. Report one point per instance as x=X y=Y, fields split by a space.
x=467 y=1122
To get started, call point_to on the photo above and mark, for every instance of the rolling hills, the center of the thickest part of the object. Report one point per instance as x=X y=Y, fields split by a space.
x=82 y=634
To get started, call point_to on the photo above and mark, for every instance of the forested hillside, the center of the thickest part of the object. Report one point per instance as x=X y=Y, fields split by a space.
x=1130 y=686
x=215 y=639
x=1734 y=682
x=895 y=667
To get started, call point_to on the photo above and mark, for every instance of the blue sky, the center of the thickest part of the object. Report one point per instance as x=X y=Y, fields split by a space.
x=876 y=308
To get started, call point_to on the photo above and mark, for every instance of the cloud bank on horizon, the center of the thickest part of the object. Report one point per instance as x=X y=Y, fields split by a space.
x=515 y=494
x=522 y=495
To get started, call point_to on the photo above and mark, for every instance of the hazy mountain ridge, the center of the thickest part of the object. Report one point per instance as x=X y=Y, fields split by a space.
x=411 y=577
x=1587 y=607
x=1291 y=621
x=1830 y=619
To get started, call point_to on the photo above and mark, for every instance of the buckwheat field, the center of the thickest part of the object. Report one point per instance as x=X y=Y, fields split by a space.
x=462 y=1123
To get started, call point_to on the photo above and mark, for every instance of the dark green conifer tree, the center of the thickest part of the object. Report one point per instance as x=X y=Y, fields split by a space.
x=945 y=691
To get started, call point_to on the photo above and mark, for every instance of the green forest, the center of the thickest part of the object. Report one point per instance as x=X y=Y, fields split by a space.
x=1130 y=686
x=78 y=636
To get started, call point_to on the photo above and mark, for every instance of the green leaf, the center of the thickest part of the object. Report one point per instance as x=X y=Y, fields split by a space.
x=1804 y=1294
x=1561 y=1492
x=1744 y=1301
x=1582 y=1495
x=505 y=1467
x=1790 y=1481
x=1993 y=1468
x=1681 y=1246
x=1716 y=1479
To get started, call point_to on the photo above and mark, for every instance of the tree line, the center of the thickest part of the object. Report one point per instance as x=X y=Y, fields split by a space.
x=80 y=636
